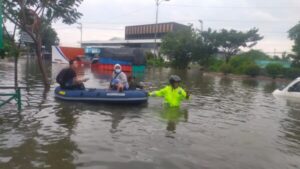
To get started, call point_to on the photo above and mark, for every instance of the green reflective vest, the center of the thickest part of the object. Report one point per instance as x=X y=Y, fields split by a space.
x=173 y=97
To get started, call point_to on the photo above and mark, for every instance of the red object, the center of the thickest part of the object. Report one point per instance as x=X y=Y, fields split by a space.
x=110 y=67
x=72 y=53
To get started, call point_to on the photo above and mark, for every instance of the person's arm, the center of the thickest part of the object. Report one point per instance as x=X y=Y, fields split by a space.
x=123 y=78
x=183 y=94
x=77 y=80
x=159 y=93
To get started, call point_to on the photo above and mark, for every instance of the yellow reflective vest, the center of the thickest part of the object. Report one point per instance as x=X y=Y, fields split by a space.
x=173 y=97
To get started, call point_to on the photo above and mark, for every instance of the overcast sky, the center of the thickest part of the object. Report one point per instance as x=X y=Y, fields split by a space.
x=105 y=19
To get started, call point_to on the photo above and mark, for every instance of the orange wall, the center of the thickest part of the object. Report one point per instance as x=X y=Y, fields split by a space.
x=72 y=53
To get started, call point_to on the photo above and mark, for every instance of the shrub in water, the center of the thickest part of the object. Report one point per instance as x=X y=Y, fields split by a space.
x=226 y=68
x=252 y=70
x=292 y=73
x=274 y=69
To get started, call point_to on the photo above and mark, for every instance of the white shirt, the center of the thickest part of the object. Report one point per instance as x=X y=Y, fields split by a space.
x=121 y=77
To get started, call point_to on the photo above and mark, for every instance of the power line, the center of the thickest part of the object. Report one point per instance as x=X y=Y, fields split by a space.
x=233 y=7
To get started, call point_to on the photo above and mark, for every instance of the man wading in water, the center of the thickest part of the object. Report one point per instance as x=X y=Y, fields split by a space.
x=172 y=93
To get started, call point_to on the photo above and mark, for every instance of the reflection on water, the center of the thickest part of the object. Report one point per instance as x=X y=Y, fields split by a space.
x=172 y=116
x=227 y=123
x=291 y=128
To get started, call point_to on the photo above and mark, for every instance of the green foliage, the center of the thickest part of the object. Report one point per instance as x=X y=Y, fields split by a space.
x=153 y=61
x=34 y=17
x=226 y=68
x=292 y=73
x=204 y=50
x=255 y=55
x=215 y=65
x=178 y=46
x=274 y=70
x=252 y=70
x=239 y=63
x=65 y=10
x=8 y=49
x=49 y=36
x=229 y=42
x=27 y=16
x=294 y=34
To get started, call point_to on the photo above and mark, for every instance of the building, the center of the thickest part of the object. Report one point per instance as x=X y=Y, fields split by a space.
x=139 y=36
x=149 y=31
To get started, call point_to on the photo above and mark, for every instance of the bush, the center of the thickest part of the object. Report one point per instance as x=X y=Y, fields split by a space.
x=239 y=63
x=252 y=70
x=153 y=61
x=292 y=73
x=216 y=65
x=255 y=55
x=226 y=68
x=274 y=69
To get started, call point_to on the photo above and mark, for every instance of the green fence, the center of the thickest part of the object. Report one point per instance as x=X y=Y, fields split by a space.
x=1 y=24
x=264 y=63
x=11 y=96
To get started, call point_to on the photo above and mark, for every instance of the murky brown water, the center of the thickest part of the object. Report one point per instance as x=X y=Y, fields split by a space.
x=227 y=124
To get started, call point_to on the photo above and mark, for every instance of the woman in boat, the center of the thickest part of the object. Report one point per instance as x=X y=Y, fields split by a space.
x=119 y=79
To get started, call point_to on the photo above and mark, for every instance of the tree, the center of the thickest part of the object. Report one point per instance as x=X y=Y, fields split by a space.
x=230 y=42
x=294 y=34
x=188 y=45
x=27 y=16
x=204 y=49
x=49 y=37
x=178 y=46
x=8 y=49
x=274 y=69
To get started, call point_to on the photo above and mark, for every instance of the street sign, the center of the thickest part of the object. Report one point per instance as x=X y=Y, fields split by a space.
x=1 y=24
x=24 y=37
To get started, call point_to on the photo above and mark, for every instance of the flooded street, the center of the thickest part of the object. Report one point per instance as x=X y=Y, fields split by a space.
x=227 y=123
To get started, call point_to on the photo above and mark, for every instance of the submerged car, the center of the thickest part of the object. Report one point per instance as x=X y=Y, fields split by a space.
x=292 y=90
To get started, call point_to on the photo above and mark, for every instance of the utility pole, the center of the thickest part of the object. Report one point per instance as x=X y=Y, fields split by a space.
x=201 y=23
x=157 y=3
x=80 y=28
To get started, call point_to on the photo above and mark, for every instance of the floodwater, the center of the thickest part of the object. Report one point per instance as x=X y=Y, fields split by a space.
x=228 y=123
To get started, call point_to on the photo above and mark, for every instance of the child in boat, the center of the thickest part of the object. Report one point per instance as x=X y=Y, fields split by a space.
x=133 y=85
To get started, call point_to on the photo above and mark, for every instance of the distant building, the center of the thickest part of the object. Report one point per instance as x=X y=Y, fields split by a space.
x=138 y=36
x=148 y=31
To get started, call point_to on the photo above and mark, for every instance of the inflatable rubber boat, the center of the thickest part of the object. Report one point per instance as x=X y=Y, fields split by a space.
x=292 y=90
x=102 y=95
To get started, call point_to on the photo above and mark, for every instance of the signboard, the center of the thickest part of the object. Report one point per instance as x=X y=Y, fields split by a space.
x=92 y=50
x=1 y=24
x=24 y=37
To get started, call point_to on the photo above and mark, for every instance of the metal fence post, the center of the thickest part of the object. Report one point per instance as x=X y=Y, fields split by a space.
x=18 y=93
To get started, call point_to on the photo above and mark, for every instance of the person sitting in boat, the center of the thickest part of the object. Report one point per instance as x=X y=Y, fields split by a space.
x=119 y=79
x=133 y=85
x=68 y=79
x=172 y=93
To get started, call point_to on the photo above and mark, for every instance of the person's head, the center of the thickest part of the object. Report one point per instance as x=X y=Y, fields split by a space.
x=117 y=68
x=174 y=81
x=131 y=78
x=74 y=63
